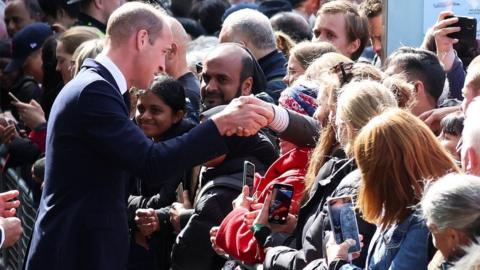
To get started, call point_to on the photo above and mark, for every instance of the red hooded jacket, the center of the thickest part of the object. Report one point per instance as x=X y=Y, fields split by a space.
x=233 y=235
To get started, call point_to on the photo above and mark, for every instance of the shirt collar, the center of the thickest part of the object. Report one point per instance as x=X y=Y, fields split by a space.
x=114 y=70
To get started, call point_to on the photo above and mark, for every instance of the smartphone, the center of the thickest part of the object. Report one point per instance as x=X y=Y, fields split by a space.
x=248 y=176
x=13 y=97
x=280 y=203
x=468 y=28
x=343 y=221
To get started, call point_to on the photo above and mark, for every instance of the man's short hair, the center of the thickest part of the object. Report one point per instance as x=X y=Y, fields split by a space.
x=471 y=129
x=253 y=25
x=51 y=7
x=421 y=65
x=33 y=8
x=356 y=24
x=209 y=13
x=371 y=8
x=132 y=17
x=292 y=24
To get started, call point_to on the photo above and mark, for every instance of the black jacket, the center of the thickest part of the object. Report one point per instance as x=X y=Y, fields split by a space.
x=309 y=231
x=220 y=186
x=274 y=66
x=312 y=250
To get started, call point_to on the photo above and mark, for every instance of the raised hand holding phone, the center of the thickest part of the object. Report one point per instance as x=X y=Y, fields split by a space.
x=261 y=213
x=248 y=176
x=280 y=205
x=30 y=113
x=343 y=221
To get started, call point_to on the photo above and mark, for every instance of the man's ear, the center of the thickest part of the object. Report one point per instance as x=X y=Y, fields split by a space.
x=142 y=39
x=418 y=88
x=98 y=3
x=471 y=164
x=247 y=86
x=353 y=46
x=173 y=51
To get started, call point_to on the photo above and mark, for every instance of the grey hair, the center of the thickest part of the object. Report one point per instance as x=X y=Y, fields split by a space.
x=253 y=25
x=471 y=129
x=198 y=49
x=453 y=201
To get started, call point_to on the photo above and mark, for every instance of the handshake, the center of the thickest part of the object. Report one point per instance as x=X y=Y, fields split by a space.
x=244 y=116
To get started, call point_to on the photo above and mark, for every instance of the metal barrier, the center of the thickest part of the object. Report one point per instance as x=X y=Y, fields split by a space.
x=12 y=258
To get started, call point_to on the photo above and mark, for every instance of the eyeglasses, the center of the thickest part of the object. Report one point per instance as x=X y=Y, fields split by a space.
x=343 y=71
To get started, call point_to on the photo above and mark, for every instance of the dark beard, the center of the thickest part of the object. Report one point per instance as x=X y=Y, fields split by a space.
x=208 y=105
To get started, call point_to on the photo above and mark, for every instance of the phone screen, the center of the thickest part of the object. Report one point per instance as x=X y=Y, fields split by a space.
x=280 y=203
x=343 y=221
x=248 y=175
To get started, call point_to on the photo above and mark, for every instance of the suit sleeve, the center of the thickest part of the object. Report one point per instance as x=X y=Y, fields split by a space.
x=302 y=130
x=106 y=128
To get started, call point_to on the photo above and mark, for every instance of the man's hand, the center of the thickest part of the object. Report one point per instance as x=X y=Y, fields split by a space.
x=147 y=221
x=31 y=113
x=433 y=117
x=177 y=209
x=213 y=238
x=8 y=133
x=243 y=200
x=13 y=230
x=244 y=116
x=445 y=51
x=7 y=204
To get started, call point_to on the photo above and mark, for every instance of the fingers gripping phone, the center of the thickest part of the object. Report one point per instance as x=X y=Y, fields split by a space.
x=280 y=203
x=468 y=28
x=248 y=176
x=343 y=221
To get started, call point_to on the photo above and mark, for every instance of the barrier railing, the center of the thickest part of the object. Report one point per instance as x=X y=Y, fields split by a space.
x=12 y=258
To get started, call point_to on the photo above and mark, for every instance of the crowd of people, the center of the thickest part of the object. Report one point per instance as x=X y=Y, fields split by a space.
x=131 y=122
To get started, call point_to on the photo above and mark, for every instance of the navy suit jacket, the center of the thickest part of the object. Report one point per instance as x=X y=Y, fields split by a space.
x=92 y=148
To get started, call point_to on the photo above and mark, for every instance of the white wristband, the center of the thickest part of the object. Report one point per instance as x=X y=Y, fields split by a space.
x=280 y=120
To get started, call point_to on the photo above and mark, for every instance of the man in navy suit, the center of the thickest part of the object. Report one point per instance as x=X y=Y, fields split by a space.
x=92 y=147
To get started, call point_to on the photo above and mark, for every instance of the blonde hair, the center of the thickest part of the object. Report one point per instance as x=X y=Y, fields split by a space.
x=357 y=104
x=403 y=90
x=324 y=63
x=395 y=153
x=284 y=43
x=75 y=36
x=88 y=49
x=306 y=52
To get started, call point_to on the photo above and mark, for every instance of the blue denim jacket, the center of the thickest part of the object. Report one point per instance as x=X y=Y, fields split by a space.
x=403 y=246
